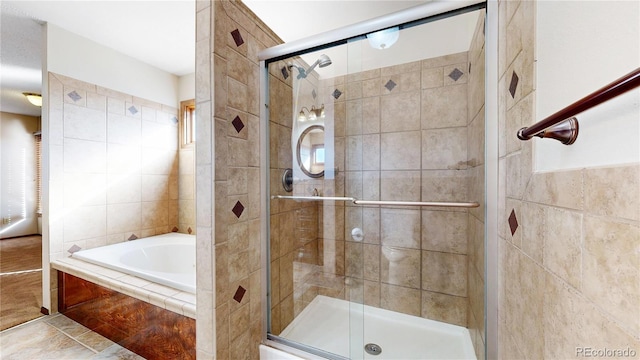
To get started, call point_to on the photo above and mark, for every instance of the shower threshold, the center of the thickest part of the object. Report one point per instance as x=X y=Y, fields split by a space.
x=345 y=328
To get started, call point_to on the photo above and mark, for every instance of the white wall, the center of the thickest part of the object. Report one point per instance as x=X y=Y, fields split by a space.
x=187 y=87
x=80 y=58
x=18 y=174
x=582 y=46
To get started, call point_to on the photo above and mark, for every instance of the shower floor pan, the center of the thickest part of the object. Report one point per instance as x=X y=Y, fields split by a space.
x=344 y=328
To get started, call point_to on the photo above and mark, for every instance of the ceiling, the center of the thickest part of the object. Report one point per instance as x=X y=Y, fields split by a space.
x=158 y=32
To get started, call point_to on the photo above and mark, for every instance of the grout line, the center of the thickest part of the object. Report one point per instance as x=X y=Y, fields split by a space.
x=72 y=337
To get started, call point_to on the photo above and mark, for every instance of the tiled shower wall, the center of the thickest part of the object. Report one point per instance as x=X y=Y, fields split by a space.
x=568 y=258
x=113 y=168
x=476 y=192
x=293 y=226
x=229 y=313
x=400 y=134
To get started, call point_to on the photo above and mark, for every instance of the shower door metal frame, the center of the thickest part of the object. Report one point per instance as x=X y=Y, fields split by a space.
x=420 y=14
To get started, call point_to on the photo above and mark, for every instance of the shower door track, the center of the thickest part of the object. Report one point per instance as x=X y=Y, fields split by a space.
x=380 y=202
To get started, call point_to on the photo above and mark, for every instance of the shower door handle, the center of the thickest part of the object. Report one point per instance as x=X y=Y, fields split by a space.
x=379 y=202
x=418 y=203
x=314 y=198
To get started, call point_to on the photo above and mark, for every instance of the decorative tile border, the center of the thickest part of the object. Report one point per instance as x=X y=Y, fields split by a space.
x=237 y=37
x=513 y=86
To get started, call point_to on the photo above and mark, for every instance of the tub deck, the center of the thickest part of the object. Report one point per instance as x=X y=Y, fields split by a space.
x=180 y=302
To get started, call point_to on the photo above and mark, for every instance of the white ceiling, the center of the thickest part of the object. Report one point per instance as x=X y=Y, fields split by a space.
x=297 y=19
x=158 y=32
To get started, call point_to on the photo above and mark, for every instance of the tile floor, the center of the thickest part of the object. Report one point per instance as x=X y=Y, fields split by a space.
x=58 y=337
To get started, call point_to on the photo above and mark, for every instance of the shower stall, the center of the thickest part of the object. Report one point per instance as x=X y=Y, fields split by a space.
x=376 y=185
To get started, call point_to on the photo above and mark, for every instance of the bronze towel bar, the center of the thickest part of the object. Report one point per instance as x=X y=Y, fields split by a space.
x=563 y=127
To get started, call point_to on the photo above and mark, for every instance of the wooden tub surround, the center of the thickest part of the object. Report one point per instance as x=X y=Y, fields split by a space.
x=152 y=320
x=147 y=330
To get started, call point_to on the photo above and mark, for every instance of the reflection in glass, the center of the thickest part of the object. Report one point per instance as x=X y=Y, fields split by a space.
x=310 y=151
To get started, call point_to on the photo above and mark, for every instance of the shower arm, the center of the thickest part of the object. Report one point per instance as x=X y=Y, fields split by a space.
x=377 y=202
x=310 y=69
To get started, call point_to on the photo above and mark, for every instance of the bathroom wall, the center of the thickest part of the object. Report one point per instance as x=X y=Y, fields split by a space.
x=187 y=165
x=229 y=313
x=400 y=134
x=85 y=179
x=476 y=189
x=113 y=167
x=75 y=56
x=293 y=225
x=18 y=197
x=617 y=32
x=568 y=259
x=186 y=190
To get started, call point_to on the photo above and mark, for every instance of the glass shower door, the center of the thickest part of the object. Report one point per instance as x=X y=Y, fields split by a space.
x=376 y=166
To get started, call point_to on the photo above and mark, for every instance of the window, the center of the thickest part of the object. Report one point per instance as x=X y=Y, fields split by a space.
x=318 y=154
x=187 y=123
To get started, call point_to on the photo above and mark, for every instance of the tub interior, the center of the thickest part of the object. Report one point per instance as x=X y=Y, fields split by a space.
x=167 y=259
x=171 y=258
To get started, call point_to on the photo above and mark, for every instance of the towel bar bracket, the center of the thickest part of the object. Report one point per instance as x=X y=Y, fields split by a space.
x=566 y=132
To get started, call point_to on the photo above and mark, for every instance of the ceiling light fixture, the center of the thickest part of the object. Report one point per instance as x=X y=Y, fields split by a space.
x=383 y=39
x=35 y=99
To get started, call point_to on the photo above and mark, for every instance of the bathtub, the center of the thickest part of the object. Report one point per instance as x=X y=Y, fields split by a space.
x=167 y=259
x=344 y=328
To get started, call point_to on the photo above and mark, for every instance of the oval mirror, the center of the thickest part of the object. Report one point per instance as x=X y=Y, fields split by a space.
x=310 y=151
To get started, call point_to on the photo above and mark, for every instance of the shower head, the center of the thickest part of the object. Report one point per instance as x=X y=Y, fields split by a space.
x=322 y=61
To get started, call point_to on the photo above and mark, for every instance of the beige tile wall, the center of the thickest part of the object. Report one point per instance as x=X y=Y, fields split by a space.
x=114 y=169
x=476 y=186
x=186 y=191
x=229 y=317
x=400 y=134
x=293 y=225
x=568 y=272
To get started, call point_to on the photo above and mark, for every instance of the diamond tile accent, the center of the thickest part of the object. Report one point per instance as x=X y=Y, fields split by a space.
x=285 y=72
x=237 y=124
x=514 y=84
x=237 y=38
x=336 y=94
x=469 y=68
x=132 y=237
x=175 y=229
x=238 y=209
x=132 y=109
x=456 y=74
x=74 y=96
x=189 y=230
x=239 y=294
x=314 y=94
x=74 y=248
x=174 y=120
x=513 y=222
x=390 y=85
